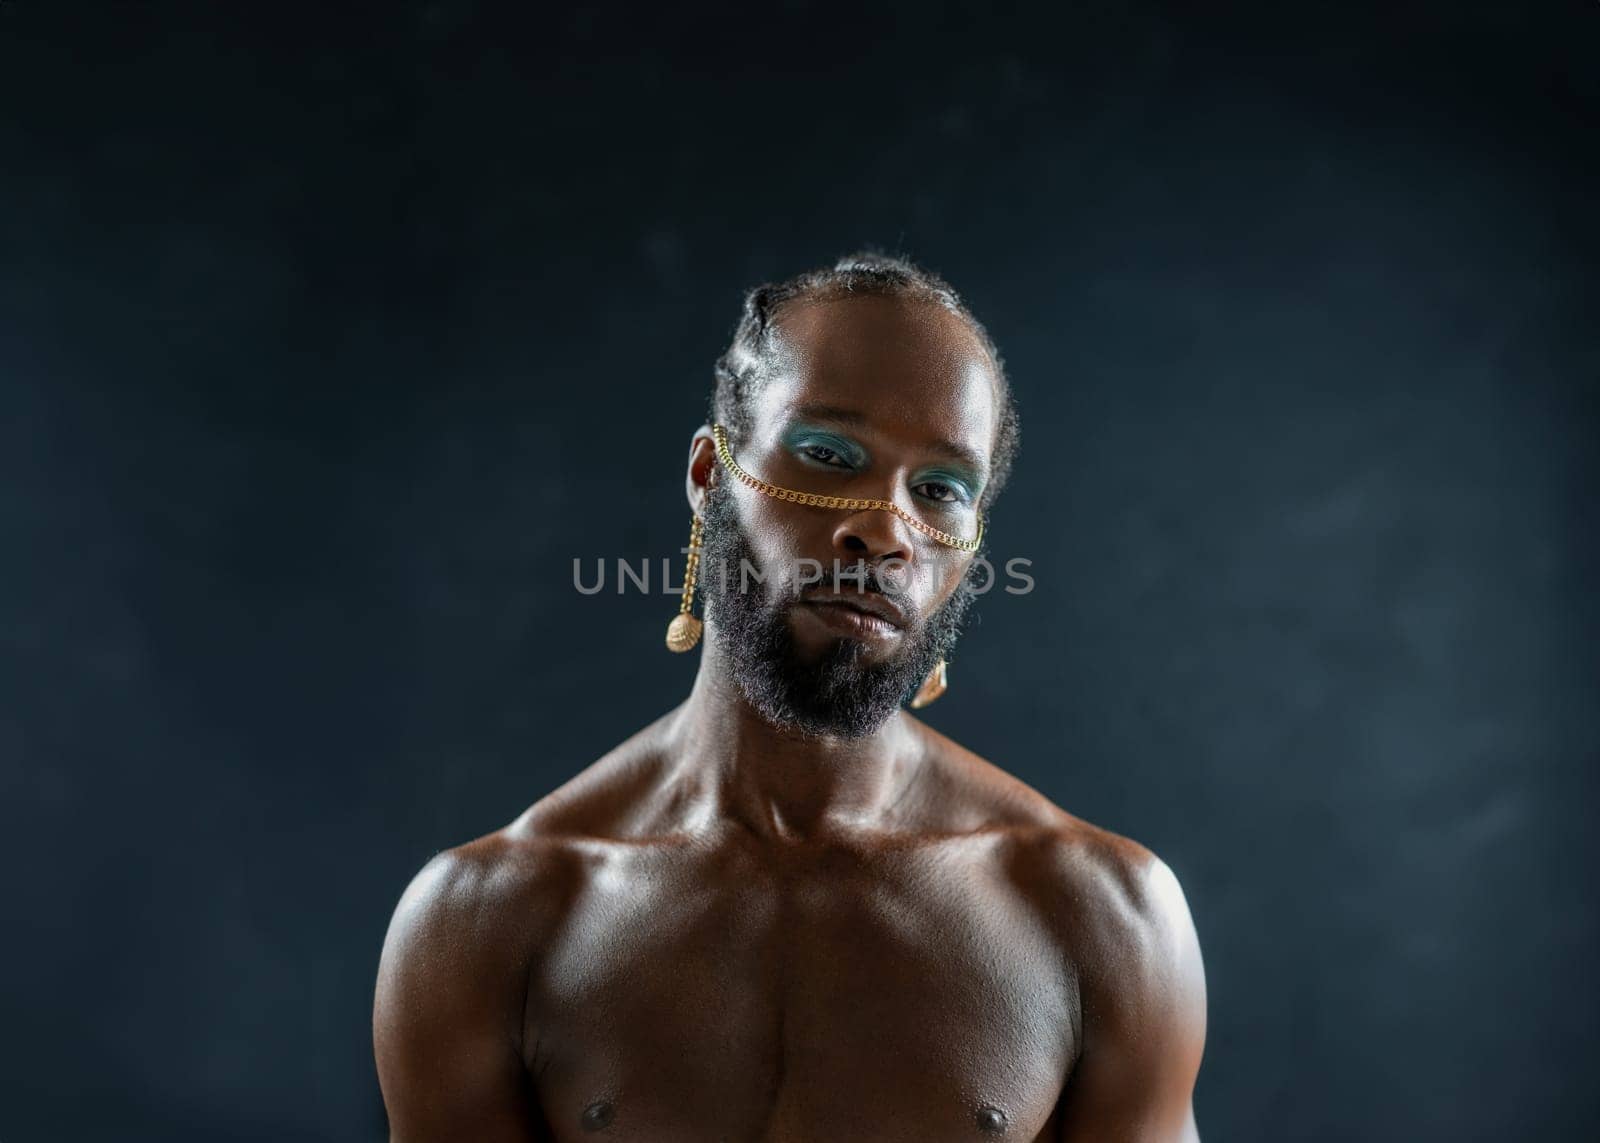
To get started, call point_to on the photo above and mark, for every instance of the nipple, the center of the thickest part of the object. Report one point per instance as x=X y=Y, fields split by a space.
x=991 y=1120
x=598 y=1115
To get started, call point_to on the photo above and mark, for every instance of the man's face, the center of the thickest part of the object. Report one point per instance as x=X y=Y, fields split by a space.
x=869 y=397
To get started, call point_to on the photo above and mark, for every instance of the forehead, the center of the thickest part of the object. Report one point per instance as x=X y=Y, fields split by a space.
x=909 y=367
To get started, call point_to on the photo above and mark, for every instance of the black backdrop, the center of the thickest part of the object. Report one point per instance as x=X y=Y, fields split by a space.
x=328 y=342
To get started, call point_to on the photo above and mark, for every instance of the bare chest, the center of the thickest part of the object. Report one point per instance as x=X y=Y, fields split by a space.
x=909 y=996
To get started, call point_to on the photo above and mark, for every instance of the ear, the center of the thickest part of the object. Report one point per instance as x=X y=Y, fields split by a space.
x=702 y=472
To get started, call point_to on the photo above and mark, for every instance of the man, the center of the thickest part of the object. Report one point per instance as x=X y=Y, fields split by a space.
x=788 y=910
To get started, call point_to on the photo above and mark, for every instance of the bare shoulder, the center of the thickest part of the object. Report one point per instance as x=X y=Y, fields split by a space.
x=1128 y=941
x=462 y=936
x=1113 y=901
x=488 y=902
x=449 y=1012
x=488 y=887
x=450 y=1008
x=1114 y=904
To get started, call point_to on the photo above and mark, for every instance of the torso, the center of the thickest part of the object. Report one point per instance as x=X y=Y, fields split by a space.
x=707 y=986
x=832 y=992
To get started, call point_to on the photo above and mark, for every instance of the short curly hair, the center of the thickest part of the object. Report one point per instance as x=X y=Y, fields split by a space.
x=863 y=272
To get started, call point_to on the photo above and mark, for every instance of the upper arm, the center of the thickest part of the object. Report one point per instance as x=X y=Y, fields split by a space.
x=1143 y=1005
x=447 y=1016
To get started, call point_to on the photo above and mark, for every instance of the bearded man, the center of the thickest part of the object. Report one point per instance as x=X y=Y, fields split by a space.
x=788 y=910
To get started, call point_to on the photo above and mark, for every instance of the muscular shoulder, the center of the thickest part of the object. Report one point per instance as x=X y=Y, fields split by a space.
x=449 y=1009
x=459 y=945
x=487 y=889
x=1113 y=898
x=474 y=914
x=1122 y=922
x=1115 y=909
x=1105 y=889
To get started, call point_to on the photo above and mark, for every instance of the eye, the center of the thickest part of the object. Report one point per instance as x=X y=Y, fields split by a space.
x=825 y=455
x=938 y=490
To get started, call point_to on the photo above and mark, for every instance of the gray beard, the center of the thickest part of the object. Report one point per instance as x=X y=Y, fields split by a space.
x=839 y=694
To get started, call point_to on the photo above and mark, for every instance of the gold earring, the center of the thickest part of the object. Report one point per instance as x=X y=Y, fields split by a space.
x=684 y=630
x=932 y=687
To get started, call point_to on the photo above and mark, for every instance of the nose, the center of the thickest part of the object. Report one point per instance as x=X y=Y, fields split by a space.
x=873 y=536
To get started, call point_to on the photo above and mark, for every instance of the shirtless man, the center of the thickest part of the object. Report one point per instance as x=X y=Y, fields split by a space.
x=788 y=910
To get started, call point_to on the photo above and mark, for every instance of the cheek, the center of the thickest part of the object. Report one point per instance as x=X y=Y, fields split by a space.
x=781 y=531
x=936 y=580
x=777 y=537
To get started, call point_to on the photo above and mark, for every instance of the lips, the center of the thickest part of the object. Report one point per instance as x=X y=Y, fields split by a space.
x=866 y=603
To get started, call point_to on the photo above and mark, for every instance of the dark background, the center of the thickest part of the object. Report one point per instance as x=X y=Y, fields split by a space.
x=329 y=341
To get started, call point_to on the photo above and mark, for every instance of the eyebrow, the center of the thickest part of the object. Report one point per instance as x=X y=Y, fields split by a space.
x=855 y=419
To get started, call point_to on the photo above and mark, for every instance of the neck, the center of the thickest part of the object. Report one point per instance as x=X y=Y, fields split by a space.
x=774 y=780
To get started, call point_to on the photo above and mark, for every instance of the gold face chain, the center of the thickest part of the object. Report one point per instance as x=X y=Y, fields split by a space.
x=725 y=455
